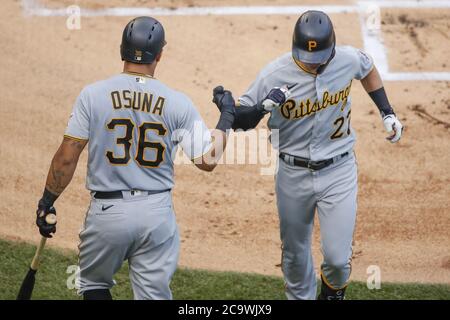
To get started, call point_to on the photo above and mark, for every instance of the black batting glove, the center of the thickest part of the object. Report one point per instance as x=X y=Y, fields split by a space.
x=225 y=103
x=276 y=95
x=223 y=99
x=218 y=93
x=45 y=207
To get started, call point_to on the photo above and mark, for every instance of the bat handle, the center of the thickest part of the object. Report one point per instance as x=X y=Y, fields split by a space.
x=35 y=263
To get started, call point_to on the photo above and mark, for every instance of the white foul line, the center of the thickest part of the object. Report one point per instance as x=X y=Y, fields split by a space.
x=418 y=4
x=34 y=8
x=191 y=11
x=417 y=76
x=373 y=42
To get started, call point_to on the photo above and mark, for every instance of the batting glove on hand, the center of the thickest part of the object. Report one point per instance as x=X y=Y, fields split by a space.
x=225 y=102
x=45 y=229
x=394 y=127
x=276 y=97
x=223 y=99
x=218 y=93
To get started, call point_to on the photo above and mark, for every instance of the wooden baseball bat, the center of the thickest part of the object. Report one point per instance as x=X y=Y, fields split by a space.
x=26 y=289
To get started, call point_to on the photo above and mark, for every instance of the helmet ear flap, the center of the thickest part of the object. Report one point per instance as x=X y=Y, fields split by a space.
x=322 y=67
x=158 y=56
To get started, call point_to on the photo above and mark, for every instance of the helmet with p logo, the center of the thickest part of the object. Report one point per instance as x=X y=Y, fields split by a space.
x=314 y=39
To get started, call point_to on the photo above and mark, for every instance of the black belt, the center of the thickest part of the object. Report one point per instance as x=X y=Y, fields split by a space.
x=119 y=195
x=313 y=165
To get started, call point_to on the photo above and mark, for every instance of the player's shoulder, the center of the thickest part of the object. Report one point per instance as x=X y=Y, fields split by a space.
x=177 y=97
x=177 y=102
x=98 y=85
x=153 y=85
x=279 y=64
x=346 y=49
x=349 y=52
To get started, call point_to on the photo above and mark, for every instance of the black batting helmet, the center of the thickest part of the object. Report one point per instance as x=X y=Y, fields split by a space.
x=142 y=40
x=314 y=39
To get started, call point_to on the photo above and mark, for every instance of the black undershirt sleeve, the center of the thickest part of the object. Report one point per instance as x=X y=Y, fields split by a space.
x=248 y=117
x=381 y=101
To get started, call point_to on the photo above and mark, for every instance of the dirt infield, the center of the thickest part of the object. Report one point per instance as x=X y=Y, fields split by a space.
x=228 y=219
x=407 y=35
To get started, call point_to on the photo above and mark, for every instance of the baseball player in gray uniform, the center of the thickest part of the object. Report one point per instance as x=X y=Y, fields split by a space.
x=133 y=123
x=311 y=108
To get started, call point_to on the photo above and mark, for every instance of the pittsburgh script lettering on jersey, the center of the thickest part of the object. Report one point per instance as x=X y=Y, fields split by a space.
x=138 y=101
x=290 y=110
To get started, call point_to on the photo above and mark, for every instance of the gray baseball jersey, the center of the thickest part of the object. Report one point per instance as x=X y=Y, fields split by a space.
x=315 y=122
x=134 y=124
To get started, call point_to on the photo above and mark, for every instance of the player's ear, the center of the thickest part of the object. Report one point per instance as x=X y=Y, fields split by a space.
x=158 y=57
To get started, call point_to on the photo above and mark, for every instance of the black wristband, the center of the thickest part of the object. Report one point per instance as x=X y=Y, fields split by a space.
x=381 y=101
x=225 y=121
x=49 y=198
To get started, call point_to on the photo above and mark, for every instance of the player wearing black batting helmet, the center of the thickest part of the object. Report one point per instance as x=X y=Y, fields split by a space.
x=142 y=40
x=307 y=92
x=314 y=39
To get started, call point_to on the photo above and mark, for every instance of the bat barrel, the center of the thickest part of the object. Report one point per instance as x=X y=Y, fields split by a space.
x=26 y=289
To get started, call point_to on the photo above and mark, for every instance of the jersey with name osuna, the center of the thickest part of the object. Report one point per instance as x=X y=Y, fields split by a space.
x=134 y=124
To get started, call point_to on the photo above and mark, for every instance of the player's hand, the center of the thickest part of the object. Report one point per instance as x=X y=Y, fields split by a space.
x=43 y=210
x=227 y=103
x=394 y=127
x=223 y=98
x=276 y=97
x=217 y=96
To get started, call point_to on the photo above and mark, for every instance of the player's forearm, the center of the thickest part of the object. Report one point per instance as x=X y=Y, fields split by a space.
x=373 y=85
x=63 y=165
x=372 y=81
x=210 y=160
x=219 y=143
x=60 y=173
x=247 y=118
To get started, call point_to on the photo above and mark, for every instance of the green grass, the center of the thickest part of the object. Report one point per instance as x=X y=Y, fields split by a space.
x=187 y=284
